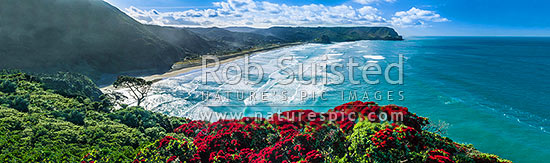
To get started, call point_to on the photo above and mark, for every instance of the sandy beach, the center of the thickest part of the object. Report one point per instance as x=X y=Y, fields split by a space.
x=187 y=68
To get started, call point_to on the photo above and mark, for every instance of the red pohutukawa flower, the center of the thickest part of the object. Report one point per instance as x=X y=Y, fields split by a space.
x=173 y=158
x=165 y=141
x=399 y=137
x=439 y=156
x=192 y=128
x=297 y=135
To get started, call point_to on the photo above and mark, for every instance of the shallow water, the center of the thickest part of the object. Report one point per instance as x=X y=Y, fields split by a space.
x=492 y=90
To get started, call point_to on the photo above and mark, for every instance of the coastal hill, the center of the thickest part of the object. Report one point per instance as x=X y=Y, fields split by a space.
x=337 y=34
x=38 y=124
x=98 y=40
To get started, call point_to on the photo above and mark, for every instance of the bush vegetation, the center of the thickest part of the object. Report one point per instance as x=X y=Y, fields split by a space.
x=38 y=124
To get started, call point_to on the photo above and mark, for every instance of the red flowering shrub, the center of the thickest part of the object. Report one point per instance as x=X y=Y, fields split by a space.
x=192 y=128
x=372 y=112
x=393 y=142
x=292 y=148
x=439 y=156
x=314 y=156
x=354 y=131
x=396 y=137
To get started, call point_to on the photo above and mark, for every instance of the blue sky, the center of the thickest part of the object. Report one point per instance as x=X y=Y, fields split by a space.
x=409 y=17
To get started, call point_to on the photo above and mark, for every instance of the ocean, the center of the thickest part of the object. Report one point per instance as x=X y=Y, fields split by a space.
x=492 y=91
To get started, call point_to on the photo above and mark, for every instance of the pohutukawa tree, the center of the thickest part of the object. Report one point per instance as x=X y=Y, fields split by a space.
x=139 y=88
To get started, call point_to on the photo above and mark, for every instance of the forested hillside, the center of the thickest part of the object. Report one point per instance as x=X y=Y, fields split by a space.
x=93 y=38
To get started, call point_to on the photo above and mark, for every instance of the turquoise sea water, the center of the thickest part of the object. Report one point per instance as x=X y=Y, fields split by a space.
x=493 y=91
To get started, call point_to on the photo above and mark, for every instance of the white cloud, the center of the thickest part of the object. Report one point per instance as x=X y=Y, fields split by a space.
x=364 y=2
x=266 y=14
x=415 y=17
x=262 y=14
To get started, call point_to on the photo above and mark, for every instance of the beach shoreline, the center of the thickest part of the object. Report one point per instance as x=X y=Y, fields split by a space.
x=181 y=68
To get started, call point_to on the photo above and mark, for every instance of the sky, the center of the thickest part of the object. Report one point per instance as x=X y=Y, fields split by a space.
x=408 y=17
